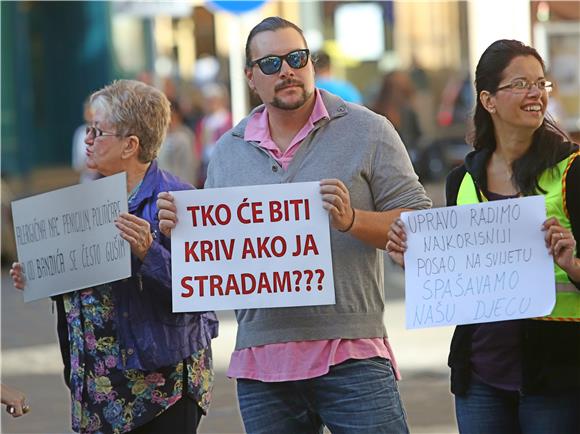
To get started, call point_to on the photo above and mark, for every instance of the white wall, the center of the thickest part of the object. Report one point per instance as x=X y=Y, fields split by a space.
x=490 y=20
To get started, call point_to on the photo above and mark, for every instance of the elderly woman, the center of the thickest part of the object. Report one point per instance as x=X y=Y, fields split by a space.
x=131 y=364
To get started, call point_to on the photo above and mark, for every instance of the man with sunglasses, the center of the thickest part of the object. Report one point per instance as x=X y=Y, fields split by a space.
x=301 y=368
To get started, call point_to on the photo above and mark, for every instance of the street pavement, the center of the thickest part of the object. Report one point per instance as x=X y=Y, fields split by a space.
x=31 y=362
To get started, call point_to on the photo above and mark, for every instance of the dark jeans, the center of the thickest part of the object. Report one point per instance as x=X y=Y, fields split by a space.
x=486 y=409
x=357 y=396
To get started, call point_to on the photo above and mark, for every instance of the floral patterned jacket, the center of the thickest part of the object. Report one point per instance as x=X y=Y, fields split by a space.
x=149 y=334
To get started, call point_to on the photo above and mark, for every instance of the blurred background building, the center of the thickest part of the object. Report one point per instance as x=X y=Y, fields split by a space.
x=56 y=53
x=412 y=61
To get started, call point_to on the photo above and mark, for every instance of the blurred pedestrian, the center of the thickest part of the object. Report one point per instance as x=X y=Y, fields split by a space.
x=325 y=80
x=7 y=240
x=79 y=156
x=456 y=100
x=177 y=154
x=556 y=109
x=395 y=102
x=301 y=368
x=14 y=400
x=216 y=121
x=418 y=75
x=134 y=365
x=520 y=376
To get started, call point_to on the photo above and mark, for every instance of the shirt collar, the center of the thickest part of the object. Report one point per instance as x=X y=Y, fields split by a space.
x=258 y=129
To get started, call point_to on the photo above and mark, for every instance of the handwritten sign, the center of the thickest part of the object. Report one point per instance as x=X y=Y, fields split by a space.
x=477 y=263
x=250 y=247
x=66 y=239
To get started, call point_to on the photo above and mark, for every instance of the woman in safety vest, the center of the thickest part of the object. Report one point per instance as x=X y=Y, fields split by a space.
x=519 y=376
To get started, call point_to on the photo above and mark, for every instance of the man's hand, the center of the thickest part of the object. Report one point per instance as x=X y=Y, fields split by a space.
x=167 y=213
x=336 y=200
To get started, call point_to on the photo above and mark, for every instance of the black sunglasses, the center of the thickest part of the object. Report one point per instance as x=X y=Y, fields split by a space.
x=272 y=64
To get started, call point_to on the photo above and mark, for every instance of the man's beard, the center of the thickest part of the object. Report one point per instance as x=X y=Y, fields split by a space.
x=283 y=105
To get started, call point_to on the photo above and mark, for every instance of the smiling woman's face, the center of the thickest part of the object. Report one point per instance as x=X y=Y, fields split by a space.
x=521 y=109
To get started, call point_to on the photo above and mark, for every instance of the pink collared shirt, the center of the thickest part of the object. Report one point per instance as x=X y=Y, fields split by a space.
x=258 y=130
x=290 y=361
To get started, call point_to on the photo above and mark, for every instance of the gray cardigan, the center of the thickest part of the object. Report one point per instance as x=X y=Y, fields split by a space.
x=363 y=150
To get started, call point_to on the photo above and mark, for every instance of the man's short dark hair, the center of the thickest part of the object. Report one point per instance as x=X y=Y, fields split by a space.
x=270 y=24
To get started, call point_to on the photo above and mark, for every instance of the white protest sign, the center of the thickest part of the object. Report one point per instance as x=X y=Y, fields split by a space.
x=66 y=239
x=477 y=263
x=251 y=247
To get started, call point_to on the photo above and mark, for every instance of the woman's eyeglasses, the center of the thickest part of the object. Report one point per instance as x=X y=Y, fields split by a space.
x=95 y=132
x=524 y=86
x=269 y=65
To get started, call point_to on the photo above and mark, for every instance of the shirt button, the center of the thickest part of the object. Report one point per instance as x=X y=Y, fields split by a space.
x=130 y=351
x=274 y=168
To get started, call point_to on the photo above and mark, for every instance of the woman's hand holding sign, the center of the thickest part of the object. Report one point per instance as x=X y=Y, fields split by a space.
x=167 y=213
x=561 y=244
x=397 y=243
x=18 y=278
x=137 y=232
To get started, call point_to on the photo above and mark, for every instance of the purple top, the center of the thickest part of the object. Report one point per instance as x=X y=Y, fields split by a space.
x=496 y=346
x=496 y=354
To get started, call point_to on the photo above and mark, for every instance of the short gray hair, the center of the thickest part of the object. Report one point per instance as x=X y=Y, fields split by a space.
x=135 y=108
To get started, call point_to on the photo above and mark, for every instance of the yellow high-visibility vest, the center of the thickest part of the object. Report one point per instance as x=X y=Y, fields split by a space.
x=553 y=182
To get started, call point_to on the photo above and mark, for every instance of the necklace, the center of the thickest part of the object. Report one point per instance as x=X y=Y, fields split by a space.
x=134 y=192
